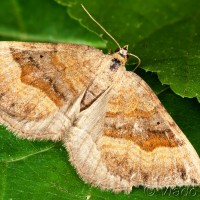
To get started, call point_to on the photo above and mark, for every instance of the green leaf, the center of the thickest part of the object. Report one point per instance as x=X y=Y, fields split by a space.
x=41 y=170
x=165 y=34
x=41 y=21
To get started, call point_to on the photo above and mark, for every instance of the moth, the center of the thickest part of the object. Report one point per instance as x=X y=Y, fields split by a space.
x=116 y=131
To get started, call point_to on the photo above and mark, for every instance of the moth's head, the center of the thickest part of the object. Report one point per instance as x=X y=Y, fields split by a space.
x=122 y=54
x=120 y=57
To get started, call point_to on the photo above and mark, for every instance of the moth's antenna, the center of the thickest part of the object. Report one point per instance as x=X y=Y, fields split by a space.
x=101 y=26
x=139 y=61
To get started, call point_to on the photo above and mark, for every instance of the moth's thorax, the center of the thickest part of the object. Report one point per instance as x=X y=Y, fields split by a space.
x=110 y=71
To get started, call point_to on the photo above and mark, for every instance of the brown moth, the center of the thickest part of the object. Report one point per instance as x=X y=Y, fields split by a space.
x=116 y=131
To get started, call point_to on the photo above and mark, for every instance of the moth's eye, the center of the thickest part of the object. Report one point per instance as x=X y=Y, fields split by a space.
x=117 y=50
x=115 y=64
